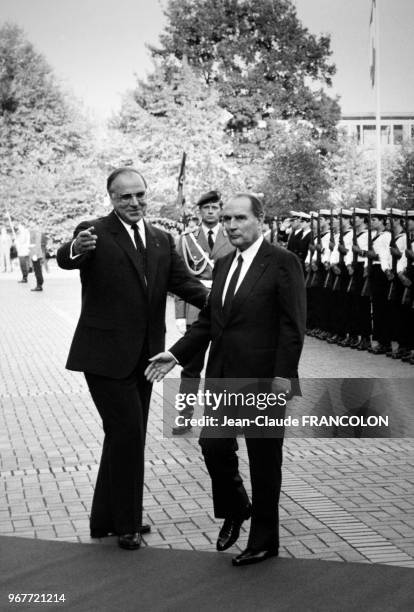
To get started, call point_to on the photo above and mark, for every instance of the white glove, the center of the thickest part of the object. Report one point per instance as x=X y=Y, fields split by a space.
x=181 y=325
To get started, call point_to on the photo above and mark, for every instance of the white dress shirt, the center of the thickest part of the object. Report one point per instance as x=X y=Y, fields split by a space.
x=248 y=255
x=214 y=229
x=141 y=229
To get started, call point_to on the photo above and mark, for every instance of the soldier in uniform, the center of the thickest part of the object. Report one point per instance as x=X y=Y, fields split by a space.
x=398 y=322
x=380 y=257
x=405 y=271
x=200 y=247
x=293 y=243
x=318 y=260
x=341 y=303
x=359 y=324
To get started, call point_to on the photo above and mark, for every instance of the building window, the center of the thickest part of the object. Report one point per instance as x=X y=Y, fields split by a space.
x=398 y=134
x=369 y=135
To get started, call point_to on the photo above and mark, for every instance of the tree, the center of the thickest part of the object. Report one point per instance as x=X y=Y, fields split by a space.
x=162 y=118
x=401 y=188
x=46 y=146
x=297 y=177
x=262 y=60
x=352 y=171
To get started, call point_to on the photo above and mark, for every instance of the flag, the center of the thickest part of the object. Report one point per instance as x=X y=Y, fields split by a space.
x=372 y=41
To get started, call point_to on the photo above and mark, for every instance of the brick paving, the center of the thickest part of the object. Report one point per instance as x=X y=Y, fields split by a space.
x=344 y=499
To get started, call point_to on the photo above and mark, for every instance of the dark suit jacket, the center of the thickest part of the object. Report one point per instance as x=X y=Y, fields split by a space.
x=119 y=310
x=263 y=335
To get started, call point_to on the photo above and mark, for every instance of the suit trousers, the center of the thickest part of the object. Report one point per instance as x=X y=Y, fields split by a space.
x=190 y=378
x=229 y=495
x=37 y=268
x=123 y=405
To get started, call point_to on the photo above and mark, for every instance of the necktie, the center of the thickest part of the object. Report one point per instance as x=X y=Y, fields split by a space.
x=232 y=286
x=210 y=239
x=140 y=248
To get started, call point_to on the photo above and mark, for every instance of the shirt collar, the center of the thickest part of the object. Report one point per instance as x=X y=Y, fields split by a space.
x=214 y=229
x=140 y=224
x=250 y=253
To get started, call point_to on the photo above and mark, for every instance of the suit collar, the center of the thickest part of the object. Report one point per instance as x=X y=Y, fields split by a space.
x=152 y=246
x=257 y=267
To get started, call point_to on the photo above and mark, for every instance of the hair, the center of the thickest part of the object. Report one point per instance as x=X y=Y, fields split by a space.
x=122 y=170
x=256 y=204
x=211 y=197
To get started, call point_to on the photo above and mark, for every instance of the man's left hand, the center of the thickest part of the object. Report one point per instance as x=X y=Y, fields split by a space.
x=281 y=386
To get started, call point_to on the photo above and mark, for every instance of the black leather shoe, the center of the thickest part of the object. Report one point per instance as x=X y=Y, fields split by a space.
x=380 y=349
x=38 y=288
x=180 y=430
x=230 y=531
x=333 y=339
x=250 y=556
x=130 y=541
x=363 y=345
x=24 y=280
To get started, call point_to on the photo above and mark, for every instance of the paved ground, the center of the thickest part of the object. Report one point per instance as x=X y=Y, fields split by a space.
x=343 y=499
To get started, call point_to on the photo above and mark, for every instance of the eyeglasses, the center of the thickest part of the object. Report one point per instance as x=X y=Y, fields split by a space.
x=127 y=197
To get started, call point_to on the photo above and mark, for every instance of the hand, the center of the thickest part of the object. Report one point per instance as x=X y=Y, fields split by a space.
x=181 y=325
x=350 y=270
x=356 y=249
x=409 y=254
x=314 y=267
x=336 y=270
x=281 y=385
x=389 y=274
x=159 y=366
x=342 y=249
x=85 y=241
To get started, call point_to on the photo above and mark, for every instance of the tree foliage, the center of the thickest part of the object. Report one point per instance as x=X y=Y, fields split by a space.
x=46 y=146
x=401 y=188
x=352 y=172
x=296 y=171
x=258 y=54
x=162 y=118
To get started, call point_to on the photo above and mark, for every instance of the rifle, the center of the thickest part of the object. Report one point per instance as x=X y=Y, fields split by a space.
x=180 y=189
x=308 y=281
x=328 y=279
x=274 y=230
x=352 y=282
x=406 y=298
x=392 y=292
x=337 y=282
x=366 y=289
x=316 y=277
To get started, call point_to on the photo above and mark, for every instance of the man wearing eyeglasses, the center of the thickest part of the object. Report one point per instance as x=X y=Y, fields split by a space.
x=126 y=269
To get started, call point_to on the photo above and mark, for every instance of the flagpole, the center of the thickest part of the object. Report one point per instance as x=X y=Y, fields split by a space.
x=378 y=107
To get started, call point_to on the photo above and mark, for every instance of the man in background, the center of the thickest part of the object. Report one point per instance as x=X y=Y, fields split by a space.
x=200 y=247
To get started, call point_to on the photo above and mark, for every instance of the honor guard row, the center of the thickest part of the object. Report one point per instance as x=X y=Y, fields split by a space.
x=359 y=270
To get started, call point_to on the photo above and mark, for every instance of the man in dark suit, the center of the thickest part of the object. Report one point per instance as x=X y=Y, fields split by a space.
x=126 y=267
x=255 y=320
x=200 y=247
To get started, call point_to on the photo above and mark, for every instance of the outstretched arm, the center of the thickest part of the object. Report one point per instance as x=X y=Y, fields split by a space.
x=74 y=254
